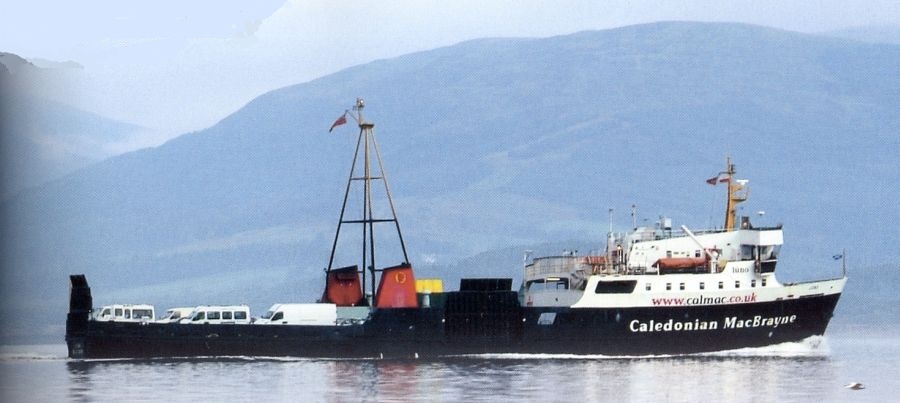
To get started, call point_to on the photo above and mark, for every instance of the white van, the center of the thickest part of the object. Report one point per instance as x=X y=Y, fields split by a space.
x=175 y=314
x=126 y=313
x=219 y=314
x=300 y=314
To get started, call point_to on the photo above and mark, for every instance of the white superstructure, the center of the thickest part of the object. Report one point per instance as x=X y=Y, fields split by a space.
x=659 y=267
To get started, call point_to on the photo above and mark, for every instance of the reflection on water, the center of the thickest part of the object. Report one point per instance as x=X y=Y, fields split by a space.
x=739 y=376
x=80 y=384
x=729 y=378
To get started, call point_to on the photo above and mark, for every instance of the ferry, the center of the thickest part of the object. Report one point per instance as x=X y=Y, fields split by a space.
x=654 y=291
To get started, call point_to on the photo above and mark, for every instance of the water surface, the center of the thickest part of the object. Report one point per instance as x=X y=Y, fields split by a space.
x=815 y=370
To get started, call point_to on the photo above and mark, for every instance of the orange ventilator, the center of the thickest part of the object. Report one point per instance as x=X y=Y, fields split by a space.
x=397 y=288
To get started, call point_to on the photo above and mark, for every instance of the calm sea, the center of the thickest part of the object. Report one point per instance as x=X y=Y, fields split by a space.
x=815 y=370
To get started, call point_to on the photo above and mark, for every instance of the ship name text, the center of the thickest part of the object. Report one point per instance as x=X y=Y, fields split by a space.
x=732 y=322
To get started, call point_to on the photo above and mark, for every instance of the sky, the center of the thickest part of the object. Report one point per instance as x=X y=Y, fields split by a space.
x=174 y=67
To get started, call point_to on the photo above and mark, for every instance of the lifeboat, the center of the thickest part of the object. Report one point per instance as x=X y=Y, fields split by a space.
x=680 y=263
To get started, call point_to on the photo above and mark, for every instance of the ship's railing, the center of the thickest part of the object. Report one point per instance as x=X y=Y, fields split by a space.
x=560 y=265
x=678 y=233
x=620 y=270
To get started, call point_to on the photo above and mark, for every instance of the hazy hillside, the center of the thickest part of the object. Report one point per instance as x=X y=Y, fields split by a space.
x=15 y=64
x=489 y=144
x=870 y=33
x=40 y=139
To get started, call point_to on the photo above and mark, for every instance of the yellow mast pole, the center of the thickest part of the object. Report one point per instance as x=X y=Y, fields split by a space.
x=733 y=197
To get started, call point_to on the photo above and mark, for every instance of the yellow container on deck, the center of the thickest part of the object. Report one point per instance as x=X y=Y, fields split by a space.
x=432 y=285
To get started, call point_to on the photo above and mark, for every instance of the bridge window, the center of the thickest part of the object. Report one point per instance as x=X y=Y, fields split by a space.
x=737 y=284
x=763 y=281
x=681 y=286
x=702 y=285
x=648 y=286
x=721 y=285
x=615 y=287
x=753 y=283
x=668 y=286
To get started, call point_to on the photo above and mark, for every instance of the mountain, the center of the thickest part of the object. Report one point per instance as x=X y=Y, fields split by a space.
x=45 y=140
x=885 y=33
x=42 y=139
x=15 y=64
x=488 y=144
x=52 y=64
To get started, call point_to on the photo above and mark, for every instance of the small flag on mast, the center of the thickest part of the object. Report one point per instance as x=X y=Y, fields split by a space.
x=718 y=179
x=341 y=120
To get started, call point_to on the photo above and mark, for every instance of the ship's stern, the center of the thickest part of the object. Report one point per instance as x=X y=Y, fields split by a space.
x=80 y=305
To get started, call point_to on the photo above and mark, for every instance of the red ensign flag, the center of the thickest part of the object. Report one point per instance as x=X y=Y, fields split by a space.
x=341 y=120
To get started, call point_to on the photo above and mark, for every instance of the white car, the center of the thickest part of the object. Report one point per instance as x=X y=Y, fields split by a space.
x=126 y=313
x=175 y=314
x=300 y=314
x=218 y=314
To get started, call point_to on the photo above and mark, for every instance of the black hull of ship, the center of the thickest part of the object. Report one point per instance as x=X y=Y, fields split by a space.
x=470 y=323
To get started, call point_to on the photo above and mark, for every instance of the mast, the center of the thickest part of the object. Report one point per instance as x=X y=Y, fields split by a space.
x=368 y=142
x=735 y=196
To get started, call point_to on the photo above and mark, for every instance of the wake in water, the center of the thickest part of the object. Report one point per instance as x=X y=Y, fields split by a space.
x=814 y=346
x=33 y=353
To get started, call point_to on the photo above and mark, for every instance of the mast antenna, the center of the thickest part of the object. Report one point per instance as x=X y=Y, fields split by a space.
x=844 y=262
x=369 y=144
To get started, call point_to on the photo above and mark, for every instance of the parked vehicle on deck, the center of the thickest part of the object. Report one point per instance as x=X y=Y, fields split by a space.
x=176 y=314
x=300 y=314
x=125 y=313
x=218 y=314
